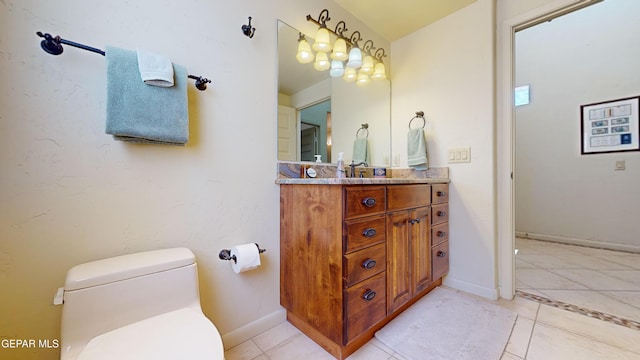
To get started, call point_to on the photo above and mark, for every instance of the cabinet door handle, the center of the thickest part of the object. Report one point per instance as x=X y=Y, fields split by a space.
x=369 y=264
x=442 y=253
x=442 y=213
x=441 y=193
x=369 y=295
x=369 y=202
x=441 y=233
x=369 y=232
x=413 y=221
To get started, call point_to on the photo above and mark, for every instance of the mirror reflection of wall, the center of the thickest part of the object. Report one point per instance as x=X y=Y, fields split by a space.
x=314 y=131
x=301 y=87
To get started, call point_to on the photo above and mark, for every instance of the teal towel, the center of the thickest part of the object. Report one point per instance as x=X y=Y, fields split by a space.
x=137 y=112
x=417 y=149
x=360 y=150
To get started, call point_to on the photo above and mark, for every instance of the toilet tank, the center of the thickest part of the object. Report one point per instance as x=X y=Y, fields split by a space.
x=107 y=294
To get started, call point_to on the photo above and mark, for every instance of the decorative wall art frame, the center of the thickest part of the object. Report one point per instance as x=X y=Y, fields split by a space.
x=610 y=126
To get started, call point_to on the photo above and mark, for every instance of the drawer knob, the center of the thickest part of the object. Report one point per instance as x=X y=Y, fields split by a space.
x=413 y=221
x=442 y=253
x=441 y=233
x=369 y=264
x=441 y=193
x=369 y=232
x=442 y=213
x=369 y=295
x=369 y=202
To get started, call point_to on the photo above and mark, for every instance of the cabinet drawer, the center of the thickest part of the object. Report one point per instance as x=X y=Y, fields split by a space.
x=408 y=196
x=439 y=213
x=361 y=201
x=365 y=232
x=440 y=260
x=364 y=263
x=366 y=305
x=439 y=193
x=439 y=233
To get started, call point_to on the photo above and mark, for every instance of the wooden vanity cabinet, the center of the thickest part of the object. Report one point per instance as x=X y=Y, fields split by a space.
x=440 y=230
x=352 y=257
x=408 y=243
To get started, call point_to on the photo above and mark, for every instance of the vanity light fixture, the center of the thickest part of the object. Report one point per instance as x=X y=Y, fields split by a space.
x=363 y=79
x=350 y=74
x=322 y=42
x=379 y=71
x=322 y=62
x=304 y=55
x=337 y=68
x=369 y=63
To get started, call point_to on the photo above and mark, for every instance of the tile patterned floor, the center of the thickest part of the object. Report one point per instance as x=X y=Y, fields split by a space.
x=603 y=281
x=564 y=292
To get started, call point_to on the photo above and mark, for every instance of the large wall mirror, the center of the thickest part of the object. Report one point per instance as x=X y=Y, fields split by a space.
x=320 y=116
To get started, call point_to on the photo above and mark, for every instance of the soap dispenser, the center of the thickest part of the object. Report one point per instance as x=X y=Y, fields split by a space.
x=340 y=169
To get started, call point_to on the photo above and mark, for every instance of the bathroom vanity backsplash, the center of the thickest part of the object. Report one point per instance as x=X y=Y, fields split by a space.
x=296 y=170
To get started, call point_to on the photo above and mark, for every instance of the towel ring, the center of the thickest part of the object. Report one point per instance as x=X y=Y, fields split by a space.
x=365 y=127
x=419 y=115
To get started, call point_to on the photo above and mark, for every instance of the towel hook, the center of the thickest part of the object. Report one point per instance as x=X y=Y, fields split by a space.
x=248 y=30
x=364 y=127
x=419 y=115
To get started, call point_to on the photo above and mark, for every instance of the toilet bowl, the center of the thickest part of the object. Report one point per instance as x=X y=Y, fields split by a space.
x=137 y=306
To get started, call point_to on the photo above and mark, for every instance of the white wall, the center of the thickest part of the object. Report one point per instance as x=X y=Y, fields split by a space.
x=584 y=57
x=70 y=194
x=447 y=70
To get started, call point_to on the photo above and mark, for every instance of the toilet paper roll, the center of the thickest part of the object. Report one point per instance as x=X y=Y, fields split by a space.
x=247 y=257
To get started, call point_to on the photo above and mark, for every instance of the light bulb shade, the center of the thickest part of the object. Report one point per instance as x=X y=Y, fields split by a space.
x=363 y=79
x=322 y=62
x=379 y=72
x=340 y=50
x=321 y=42
x=367 y=65
x=355 y=58
x=349 y=74
x=304 y=55
x=337 y=68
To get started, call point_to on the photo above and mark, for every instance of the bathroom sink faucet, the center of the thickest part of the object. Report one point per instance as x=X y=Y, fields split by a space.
x=353 y=167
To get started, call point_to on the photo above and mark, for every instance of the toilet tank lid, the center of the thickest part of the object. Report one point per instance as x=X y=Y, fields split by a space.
x=124 y=267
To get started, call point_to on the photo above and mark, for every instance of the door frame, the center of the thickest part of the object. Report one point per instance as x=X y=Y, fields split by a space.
x=505 y=130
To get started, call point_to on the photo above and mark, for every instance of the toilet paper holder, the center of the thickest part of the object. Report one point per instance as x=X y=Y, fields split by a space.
x=225 y=254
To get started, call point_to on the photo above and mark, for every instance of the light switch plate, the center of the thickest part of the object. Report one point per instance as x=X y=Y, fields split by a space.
x=460 y=155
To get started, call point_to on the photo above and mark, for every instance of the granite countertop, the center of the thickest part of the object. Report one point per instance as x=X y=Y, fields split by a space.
x=359 y=181
x=290 y=173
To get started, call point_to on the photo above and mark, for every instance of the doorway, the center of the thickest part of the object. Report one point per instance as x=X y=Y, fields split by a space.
x=557 y=188
x=505 y=131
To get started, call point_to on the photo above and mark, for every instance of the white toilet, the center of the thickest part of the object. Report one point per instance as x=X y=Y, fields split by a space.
x=138 y=306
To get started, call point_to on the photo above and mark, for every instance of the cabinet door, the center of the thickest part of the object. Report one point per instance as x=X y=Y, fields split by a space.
x=398 y=260
x=420 y=249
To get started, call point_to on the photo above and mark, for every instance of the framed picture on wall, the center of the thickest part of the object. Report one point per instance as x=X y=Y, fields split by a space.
x=610 y=126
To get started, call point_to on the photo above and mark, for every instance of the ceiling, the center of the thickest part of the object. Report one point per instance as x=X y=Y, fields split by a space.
x=396 y=19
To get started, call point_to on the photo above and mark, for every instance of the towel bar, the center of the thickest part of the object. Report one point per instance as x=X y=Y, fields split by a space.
x=53 y=46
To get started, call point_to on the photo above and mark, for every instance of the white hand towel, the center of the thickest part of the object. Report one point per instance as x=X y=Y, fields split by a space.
x=360 y=150
x=417 y=149
x=156 y=70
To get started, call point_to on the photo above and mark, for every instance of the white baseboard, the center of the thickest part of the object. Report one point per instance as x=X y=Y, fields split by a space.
x=581 y=242
x=252 y=329
x=485 y=292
